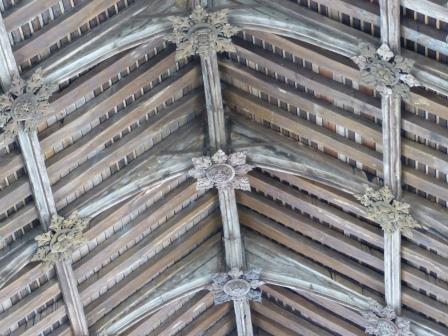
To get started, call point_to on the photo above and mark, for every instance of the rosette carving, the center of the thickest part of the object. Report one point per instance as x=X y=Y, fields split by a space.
x=202 y=32
x=383 y=321
x=63 y=237
x=236 y=286
x=389 y=73
x=383 y=208
x=221 y=171
x=25 y=104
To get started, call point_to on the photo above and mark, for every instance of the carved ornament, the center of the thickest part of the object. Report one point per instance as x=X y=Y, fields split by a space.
x=236 y=286
x=391 y=214
x=221 y=171
x=64 y=236
x=389 y=73
x=25 y=104
x=383 y=321
x=202 y=32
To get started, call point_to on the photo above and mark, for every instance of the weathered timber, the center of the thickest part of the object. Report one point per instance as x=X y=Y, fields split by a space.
x=336 y=262
x=269 y=327
x=136 y=256
x=173 y=288
x=237 y=74
x=66 y=24
x=44 y=201
x=283 y=268
x=341 y=65
x=119 y=302
x=176 y=320
x=321 y=316
x=391 y=129
x=213 y=97
x=293 y=322
x=204 y=321
x=327 y=237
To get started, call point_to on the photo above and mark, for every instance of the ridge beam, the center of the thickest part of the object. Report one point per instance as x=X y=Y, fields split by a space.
x=233 y=246
x=43 y=196
x=391 y=111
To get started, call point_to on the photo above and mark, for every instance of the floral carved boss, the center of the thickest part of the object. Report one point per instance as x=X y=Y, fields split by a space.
x=202 y=32
x=383 y=321
x=221 y=171
x=25 y=104
x=389 y=73
x=391 y=214
x=236 y=286
x=63 y=237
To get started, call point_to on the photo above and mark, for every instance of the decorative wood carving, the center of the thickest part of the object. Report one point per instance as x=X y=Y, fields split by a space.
x=236 y=286
x=384 y=209
x=25 y=104
x=383 y=321
x=202 y=32
x=64 y=236
x=389 y=73
x=221 y=171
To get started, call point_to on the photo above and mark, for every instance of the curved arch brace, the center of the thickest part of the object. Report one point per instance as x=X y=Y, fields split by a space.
x=305 y=26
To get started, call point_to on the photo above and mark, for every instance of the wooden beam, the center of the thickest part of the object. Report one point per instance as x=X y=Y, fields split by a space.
x=391 y=112
x=42 y=193
x=195 y=279
x=135 y=256
x=268 y=149
x=213 y=98
x=217 y=137
x=284 y=268
x=297 y=324
x=326 y=318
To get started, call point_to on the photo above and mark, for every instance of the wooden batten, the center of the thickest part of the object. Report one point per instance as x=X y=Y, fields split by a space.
x=129 y=116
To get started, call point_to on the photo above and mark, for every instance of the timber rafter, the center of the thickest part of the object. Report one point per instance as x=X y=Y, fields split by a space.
x=128 y=119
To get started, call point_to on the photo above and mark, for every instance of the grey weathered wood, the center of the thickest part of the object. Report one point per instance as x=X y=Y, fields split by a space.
x=390 y=23
x=391 y=112
x=231 y=227
x=194 y=276
x=42 y=193
x=266 y=149
x=213 y=98
x=284 y=268
x=8 y=64
x=43 y=197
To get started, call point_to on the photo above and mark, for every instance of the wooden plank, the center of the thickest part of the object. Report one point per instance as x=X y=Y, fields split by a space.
x=106 y=101
x=25 y=11
x=182 y=318
x=223 y=327
x=111 y=271
x=339 y=263
x=412 y=252
x=150 y=130
x=338 y=241
x=289 y=320
x=60 y=28
x=336 y=63
x=8 y=65
x=205 y=320
x=326 y=318
x=270 y=326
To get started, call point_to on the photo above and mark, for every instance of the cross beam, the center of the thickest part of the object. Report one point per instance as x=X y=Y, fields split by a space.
x=391 y=112
x=42 y=193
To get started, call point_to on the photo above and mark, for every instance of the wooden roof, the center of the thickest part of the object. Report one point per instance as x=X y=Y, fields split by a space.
x=127 y=120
